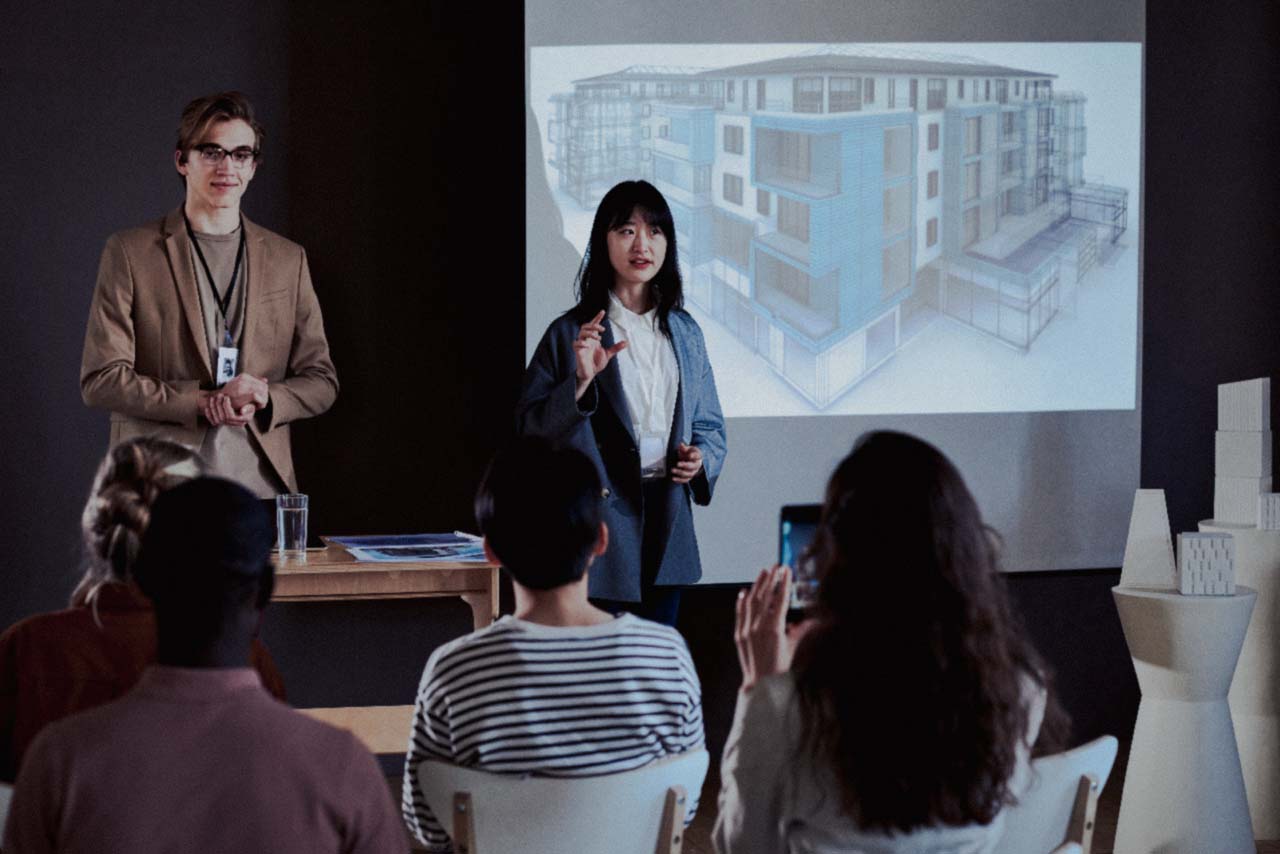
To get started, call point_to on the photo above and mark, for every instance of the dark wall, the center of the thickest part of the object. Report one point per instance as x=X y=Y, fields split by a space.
x=415 y=237
x=1211 y=305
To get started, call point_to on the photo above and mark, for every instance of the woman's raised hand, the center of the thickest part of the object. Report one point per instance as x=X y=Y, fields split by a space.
x=760 y=626
x=592 y=356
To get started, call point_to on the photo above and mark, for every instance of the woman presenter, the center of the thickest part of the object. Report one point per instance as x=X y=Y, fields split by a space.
x=623 y=376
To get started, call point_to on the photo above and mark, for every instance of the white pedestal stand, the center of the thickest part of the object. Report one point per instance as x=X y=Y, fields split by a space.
x=1255 y=691
x=1183 y=790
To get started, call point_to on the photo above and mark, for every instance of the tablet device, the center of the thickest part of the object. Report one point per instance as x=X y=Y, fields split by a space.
x=797 y=525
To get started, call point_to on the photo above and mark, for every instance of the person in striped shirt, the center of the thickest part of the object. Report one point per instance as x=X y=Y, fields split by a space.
x=561 y=688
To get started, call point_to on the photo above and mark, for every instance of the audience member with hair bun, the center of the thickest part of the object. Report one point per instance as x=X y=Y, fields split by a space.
x=55 y=664
x=905 y=719
x=197 y=756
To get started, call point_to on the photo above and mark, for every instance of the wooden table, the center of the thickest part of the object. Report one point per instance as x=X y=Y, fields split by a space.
x=333 y=575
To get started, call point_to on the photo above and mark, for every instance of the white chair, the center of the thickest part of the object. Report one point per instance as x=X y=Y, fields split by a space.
x=634 y=812
x=1056 y=813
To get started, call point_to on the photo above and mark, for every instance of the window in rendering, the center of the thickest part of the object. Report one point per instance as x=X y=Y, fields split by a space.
x=897 y=151
x=931 y=232
x=933 y=184
x=1008 y=127
x=762 y=202
x=896 y=268
x=702 y=178
x=844 y=95
x=869 y=89
x=808 y=95
x=972 y=179
x=733 y=139
x=972 y=135
x=937 y=94
x=733 y=188
x=760 y=94
x=897 y=208
x=933 y=136
x=972 y=224
x=733 y=240
x=793 y=218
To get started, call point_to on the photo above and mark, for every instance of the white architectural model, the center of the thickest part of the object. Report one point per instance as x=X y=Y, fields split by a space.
x=1269 y=511
x=1242 y=450
x=1245 y=406
x=1148 y=553
x=1206 y=564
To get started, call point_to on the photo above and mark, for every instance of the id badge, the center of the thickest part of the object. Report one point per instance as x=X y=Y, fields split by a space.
x=652 y=449
x=227 y=357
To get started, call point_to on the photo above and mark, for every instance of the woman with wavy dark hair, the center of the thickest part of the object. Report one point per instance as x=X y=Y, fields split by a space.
x=905 y=720
x=55 y=664
x=624 y=377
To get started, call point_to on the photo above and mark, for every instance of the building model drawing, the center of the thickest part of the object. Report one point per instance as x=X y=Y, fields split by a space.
x=1206 y=564
x=834 y=205
x=1242 y=451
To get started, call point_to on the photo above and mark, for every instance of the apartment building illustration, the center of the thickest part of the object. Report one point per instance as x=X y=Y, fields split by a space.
x=831 y=205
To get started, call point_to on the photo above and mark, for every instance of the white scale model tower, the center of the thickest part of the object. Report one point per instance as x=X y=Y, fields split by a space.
x=1242 y=452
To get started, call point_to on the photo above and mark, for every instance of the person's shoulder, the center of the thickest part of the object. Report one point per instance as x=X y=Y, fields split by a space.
x=566 y=323
x=49 y=626
x=148 y=233
x=492 y=637
x=275 y=242
x=638 y=628
x=682 y=323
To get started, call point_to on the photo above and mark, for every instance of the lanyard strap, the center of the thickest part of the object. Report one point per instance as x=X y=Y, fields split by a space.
x=223 y=302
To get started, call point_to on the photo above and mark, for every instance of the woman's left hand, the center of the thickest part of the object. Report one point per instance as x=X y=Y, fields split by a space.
x=760 y=626
x=688 y=463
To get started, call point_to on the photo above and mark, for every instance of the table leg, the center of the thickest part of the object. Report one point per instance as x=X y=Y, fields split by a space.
x=484 y=604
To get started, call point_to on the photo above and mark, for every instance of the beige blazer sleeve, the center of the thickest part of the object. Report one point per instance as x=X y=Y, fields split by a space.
x=310 y=383
x=108 y=378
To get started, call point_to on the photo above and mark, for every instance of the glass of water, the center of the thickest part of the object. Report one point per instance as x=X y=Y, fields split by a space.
x=291 y=525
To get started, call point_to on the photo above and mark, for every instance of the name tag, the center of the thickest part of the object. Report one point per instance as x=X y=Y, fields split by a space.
x=652 y=450
x=227 y=357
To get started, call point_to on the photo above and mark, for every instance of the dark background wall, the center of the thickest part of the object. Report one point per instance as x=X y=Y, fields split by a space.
x=415 y=238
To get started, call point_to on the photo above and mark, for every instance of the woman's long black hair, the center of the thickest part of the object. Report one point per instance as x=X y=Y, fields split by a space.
x=913 y=684
x=596 y=275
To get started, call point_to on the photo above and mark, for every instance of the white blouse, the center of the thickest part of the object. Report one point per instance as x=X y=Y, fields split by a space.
x=650 y=380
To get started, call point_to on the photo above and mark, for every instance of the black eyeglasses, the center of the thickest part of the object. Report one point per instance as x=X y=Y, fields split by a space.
x=212 y=153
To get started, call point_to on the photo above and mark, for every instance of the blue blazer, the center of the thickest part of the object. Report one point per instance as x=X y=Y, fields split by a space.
x=599 y=425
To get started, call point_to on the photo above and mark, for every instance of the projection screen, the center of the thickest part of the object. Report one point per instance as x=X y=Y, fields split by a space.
x=916 y=216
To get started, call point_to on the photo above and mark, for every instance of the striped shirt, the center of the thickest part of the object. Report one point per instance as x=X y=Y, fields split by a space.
x=560 y=701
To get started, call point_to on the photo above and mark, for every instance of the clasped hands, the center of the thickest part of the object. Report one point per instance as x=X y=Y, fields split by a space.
x=592 y=358
x=235 y=403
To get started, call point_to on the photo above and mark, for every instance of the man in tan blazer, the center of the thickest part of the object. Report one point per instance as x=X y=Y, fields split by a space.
x=186 y=343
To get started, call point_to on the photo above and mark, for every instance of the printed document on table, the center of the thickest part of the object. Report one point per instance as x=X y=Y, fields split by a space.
x=392 y=548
